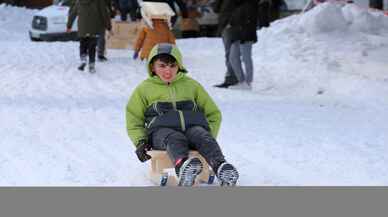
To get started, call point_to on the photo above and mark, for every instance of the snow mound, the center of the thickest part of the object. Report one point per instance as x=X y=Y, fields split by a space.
x=334 y=49
x=361 y=20
x=11 y=29
x=326 y=17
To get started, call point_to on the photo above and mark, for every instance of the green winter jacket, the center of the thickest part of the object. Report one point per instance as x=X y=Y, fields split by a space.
x=93 y=17
x=179 y=105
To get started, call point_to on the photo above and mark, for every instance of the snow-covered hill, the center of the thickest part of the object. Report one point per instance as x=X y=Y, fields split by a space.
x=317 y=114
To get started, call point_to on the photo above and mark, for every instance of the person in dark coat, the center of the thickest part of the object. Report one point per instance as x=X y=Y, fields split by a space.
x=243 y=36
x=93 y=19
x=171 y=3
x=225 y=9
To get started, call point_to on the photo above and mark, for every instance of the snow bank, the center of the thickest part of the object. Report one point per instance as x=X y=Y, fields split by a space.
x=332 y=48
x=324 y=18
x=15 y=22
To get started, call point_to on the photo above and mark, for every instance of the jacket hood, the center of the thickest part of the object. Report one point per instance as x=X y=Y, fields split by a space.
x=165 y=48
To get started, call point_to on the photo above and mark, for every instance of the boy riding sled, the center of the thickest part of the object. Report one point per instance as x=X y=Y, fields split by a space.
x=173 y=112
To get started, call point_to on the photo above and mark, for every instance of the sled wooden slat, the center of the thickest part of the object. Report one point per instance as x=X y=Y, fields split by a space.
x=161 y=163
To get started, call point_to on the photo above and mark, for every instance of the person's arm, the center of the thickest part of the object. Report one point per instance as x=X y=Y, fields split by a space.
x=210 y=109
x=171 y=37
x=139 y=40
x=135 y=117
x=104 y=12
x=72 y=15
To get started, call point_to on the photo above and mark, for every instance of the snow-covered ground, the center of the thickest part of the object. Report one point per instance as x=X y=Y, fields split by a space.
x=317 y=114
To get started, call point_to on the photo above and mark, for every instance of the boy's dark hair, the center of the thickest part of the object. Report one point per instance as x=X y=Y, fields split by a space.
x=166 y=58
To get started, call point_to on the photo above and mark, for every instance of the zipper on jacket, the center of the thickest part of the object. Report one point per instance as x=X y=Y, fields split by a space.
x=172 y=96
x=182 y=120
x=195 y=106
x=151 y=122
x=173 y=101
x=155 y=105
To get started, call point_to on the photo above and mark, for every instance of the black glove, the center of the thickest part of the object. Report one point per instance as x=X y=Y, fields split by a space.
x=141 y=151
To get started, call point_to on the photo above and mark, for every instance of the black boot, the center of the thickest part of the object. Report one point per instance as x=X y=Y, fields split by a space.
x=229 y=81
x=102 y=58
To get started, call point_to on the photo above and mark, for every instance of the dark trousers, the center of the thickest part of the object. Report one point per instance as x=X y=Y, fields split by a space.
x=101 y=44
x=87 y=47
x=177 y=144
x=128 y=6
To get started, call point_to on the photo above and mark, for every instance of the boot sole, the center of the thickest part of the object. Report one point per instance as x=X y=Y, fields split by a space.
x=189 y=172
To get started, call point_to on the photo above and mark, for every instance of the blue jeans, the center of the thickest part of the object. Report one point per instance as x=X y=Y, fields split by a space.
x=242 y=52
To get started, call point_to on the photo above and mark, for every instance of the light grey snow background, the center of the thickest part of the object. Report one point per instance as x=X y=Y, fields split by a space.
x=317 y=114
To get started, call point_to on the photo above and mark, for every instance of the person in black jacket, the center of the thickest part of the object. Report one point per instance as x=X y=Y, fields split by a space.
x=243 y=35
x=181 y=5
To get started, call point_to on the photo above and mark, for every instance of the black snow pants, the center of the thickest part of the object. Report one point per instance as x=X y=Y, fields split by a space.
x=87 y=46
x=177 y=144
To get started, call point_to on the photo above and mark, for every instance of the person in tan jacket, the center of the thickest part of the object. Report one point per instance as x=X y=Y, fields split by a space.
x=149 y=36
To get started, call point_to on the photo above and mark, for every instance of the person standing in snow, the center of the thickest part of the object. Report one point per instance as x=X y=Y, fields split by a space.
x=93 y=19
x=225 y=9
x=243 y=36
x=173 y=112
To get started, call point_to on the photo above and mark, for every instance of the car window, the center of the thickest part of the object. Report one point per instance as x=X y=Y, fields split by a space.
x=63 y=2
x=67 y=2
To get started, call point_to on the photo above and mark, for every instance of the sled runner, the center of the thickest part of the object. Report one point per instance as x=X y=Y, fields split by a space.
x=162 y=170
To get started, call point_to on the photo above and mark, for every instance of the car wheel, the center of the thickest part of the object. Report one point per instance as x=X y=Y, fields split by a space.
x=35 y=39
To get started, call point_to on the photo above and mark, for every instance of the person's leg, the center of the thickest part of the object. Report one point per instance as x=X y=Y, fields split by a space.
x=83 y=48
x=176 y=145
x=246 y=52
x=202 y=141
x=92 y=53
x=235 y=61
x=83 y=52
x=174 y=142
x=230 y=76
x=207 y=146
x=123 y=4
x=133 y=6
x=101 y=47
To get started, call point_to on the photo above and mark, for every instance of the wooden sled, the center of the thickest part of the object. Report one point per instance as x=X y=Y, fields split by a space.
x=162 y=170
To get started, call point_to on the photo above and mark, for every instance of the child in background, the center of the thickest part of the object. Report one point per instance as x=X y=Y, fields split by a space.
x=154 y=32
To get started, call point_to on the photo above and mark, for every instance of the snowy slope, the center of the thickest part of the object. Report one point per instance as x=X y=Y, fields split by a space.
x=317 y=114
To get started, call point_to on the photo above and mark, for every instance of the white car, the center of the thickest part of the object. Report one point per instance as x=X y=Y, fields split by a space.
x=49 y=24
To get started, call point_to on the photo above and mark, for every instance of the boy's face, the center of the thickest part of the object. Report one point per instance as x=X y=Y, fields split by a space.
x=166 y=71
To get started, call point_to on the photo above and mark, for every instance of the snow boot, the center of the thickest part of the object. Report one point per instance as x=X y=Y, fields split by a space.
x=227 y=174
x=92 y=68
x=82 y=66
x=102 y=58
x=189 y=171
x=229 y=81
